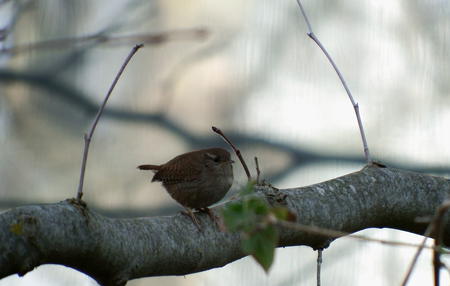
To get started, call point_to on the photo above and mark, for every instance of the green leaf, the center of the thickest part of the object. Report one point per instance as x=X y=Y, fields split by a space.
x=233 y=216
x=250 y=216
x=261 y=245
x=245 y=214
x=280 y=213
x=257 y=206
x=248 y=189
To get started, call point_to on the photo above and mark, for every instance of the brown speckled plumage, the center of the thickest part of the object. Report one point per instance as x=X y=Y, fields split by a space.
x=196 y=179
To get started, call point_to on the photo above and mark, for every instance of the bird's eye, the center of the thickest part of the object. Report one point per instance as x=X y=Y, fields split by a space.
x=213 y=157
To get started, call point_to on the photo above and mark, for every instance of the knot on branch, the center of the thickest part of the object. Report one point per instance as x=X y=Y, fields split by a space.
x=274 y=196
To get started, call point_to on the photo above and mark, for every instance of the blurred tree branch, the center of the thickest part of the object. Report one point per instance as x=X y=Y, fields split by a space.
x=298 y=156
x=114 y=251
x=151 y=39
x=17 y=9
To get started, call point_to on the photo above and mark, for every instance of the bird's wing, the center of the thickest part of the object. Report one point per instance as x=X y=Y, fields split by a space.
x=179 y=169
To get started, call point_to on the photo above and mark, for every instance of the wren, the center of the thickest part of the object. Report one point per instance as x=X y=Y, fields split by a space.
x=196 y=179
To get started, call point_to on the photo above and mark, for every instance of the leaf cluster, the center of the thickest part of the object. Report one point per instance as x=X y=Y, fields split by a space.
x=256 y=220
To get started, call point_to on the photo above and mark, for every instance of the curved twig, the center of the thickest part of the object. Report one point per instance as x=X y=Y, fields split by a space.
x=237 y=151
x=88 y=137
x=355 y=104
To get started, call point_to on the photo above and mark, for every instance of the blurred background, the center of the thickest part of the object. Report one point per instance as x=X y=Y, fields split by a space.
x=244 y=66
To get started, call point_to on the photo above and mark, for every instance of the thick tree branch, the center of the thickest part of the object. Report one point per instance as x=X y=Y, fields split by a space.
x=113 y=251
x=116 y=212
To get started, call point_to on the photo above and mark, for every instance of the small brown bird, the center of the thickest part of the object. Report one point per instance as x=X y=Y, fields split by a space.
x=196 y=179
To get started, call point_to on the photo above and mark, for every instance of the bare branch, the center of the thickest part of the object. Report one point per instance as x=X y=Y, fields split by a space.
x=88 y=137
x=319 y=265
x=110 y=250
x=355 y=104
x=336 y=234
x=434 y=228
x=258 y=172
x=438 y=232
x=298 y=156
x=8 y=26
x=416 y=256
x=152 y=39
x=113 y=212
x=237 y=151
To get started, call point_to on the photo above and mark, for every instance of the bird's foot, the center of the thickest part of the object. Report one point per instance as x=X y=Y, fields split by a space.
x=194 y=219
x=214 y=218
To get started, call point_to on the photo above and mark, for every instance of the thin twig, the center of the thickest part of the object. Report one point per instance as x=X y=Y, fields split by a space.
x=153 y=39
x=438 y=231
x=319 y=265
x=436 y=221
x=258 y=172
x=336 y=233
x=238 y=153
x=416 y=256
x=355 y=104
x=87 y=138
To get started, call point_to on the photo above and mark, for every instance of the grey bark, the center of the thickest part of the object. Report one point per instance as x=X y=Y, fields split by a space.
x=113 y=251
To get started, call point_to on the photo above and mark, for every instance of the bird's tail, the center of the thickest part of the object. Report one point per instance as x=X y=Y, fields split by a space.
x=149 y=167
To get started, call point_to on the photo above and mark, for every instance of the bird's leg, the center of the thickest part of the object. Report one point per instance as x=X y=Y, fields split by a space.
x=214 y=218
x=189 y=213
